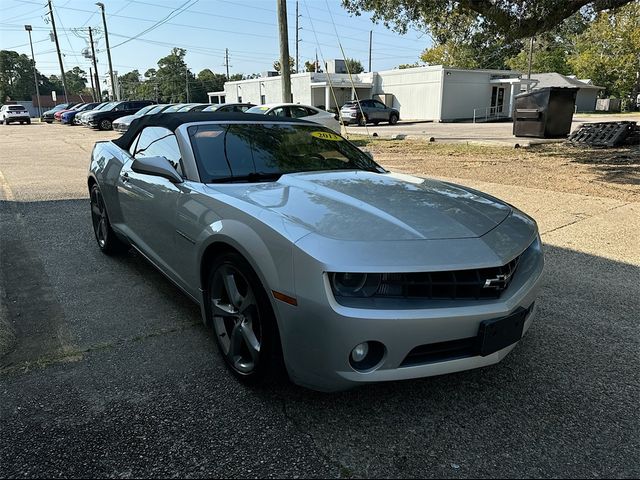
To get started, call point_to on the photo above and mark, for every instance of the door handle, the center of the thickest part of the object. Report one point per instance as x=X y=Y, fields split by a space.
x=125 y=177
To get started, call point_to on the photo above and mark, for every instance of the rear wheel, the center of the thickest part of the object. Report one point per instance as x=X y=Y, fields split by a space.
x=376 y=122
x=105 y=125
x=362 y=121
x=107 y=240
x=393 y=119
x=243 y=321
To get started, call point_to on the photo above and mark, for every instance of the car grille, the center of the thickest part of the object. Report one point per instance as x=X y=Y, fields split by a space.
x=454 y=285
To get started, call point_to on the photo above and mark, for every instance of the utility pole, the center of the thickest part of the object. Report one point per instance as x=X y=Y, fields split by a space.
x=370 y=44
x=530 y=60
x=297 y=39
x=226 y=61
x=95 y=66
x=186 y=76
x=28 y=28
x=93 y=88
x=55 y=36
x=106 y=37
x=284 y=51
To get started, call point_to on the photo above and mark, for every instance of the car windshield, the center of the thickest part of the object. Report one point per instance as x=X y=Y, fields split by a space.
x=156 y=109
x=144 y=111
x=258 y=109
x=250 y=152
x=175 y=108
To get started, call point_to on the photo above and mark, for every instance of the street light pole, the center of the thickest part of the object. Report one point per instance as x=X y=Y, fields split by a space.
x=28 y=28
x=116 y=95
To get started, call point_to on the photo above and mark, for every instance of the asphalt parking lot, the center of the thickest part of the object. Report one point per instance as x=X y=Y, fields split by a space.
x=108 y=371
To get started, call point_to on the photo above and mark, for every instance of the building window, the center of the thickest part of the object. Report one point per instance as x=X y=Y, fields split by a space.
x=263 y=99
x=239 y=99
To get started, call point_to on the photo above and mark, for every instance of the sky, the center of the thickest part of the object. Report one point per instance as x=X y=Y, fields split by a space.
x=248 y=28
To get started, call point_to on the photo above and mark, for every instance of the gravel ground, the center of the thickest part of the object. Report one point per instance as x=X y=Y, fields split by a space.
x=113 y=375
x=607 y=173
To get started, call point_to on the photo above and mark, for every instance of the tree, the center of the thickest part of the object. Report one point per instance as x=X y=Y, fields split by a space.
x=608 y=52
x=76 y=79
x=236 y=77
x=212 y=82
x=310 y=66
x=172 y=76
x=130 y=84
x=292 y=64
x=509 y=19
x=16 y=76
x=404 y=66
x=354 y=66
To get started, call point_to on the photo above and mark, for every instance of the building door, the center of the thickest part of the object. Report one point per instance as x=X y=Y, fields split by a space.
x=497 y=99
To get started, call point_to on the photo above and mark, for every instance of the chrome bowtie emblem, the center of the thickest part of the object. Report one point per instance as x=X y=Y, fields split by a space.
x=498 y=283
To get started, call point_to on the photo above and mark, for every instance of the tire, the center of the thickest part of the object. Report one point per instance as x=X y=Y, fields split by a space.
x=393 y=119
x=376 y=122
x=107 y=239
x=243 y=318
x=6 y=121
x=105 y=125
x=29 y=122
x=362 y=121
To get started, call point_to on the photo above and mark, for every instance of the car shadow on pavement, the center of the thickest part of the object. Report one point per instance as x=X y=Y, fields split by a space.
x=142 y=389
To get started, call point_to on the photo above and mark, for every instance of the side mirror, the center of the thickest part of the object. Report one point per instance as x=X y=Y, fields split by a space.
x=156 y=166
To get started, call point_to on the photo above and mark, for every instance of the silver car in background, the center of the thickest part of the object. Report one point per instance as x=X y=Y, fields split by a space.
x=122 y=124
x=305 y=256
x=295 y=110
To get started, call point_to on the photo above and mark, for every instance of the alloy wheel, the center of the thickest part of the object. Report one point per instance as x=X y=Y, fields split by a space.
x=99 y=217
x=236 y=318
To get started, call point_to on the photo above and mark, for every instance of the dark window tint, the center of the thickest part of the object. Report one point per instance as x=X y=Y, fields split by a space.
x=299 y=112
x=208 y=146
x=159 y=142
x=379 y=104
x=16 y=108
x=278 y=112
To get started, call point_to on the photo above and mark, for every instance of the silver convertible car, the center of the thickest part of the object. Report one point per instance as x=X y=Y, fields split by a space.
x=306 y=257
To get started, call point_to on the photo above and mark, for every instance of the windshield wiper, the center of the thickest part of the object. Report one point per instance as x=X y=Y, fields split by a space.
x=251 y=177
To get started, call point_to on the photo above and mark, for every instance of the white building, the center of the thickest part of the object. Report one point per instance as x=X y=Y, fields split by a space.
x=433 y=93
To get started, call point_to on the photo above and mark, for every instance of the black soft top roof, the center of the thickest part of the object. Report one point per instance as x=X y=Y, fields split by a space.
x=172 y=121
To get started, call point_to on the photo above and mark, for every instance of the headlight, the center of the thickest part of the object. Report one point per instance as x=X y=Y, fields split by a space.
x=355 y=284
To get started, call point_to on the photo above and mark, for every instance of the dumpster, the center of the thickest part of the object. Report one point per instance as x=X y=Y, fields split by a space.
x=544 y=113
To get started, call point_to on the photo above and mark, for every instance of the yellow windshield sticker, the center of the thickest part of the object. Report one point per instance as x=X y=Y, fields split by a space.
x=327 y=136
x=264 y=108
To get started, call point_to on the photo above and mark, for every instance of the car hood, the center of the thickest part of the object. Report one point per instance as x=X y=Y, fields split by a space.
x=359 y=205
x=125 y=120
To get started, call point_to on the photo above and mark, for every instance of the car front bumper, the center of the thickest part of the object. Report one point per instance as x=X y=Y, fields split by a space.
x=319 y=335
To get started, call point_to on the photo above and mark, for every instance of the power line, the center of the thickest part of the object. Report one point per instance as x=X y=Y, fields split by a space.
x=174 y=13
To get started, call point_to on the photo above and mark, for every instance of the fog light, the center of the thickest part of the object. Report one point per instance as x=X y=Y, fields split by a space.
x=359 y=353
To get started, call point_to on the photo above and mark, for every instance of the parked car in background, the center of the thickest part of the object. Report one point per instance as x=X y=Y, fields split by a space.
x=174 y=108
x=48 y=116
x=14 y=113
x=122 y=123
x=229 y=107
x=306 y=255
x=67 y=117
x=193 y=107
x=295 y=110
x=374 y=112
x=103 y=120
x=58 y=115
x=80 y=117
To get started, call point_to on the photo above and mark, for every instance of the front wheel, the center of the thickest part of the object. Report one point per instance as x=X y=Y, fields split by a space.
x=362 y=121
x=107 y=239
x=243 y=321
x=105 y=125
